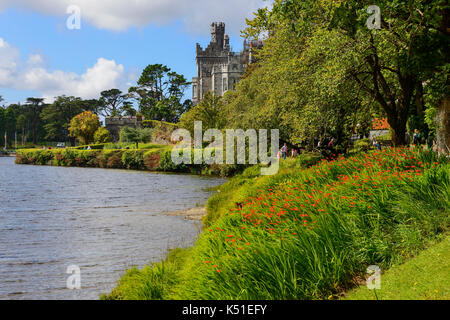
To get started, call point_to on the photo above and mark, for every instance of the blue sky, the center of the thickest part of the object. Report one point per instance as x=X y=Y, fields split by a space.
x=41 y=57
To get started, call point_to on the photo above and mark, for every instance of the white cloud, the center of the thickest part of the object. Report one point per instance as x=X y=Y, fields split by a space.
x=35 y=59
x=119 y=15
x=9 y=56
x=32 y=75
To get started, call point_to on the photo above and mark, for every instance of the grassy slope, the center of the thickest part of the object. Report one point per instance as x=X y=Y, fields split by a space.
x=424 y=277
x=383 y=208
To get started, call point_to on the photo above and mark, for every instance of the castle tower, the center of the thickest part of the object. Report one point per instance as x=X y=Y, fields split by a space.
x=218 y=34
x=218 y=68
x=226 y=43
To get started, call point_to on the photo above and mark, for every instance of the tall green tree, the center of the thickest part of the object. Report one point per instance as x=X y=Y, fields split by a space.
x=112 y=102
x=33 y=108
x=2 y=126
x=390 y=64
x=57 y=116
x=210 y=111
x=159 y=93
x=11 y=114
x=84 y=126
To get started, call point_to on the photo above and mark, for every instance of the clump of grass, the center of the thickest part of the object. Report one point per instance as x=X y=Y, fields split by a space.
x=310 y=233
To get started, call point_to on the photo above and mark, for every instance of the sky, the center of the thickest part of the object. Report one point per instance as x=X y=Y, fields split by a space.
x=43 y=53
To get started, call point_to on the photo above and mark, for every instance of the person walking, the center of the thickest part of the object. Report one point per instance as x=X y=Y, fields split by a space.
x=376 y=144
x=416 y=137
x=284 y=150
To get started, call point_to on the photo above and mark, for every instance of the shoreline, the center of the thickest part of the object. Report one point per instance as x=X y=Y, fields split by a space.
x=195 y=214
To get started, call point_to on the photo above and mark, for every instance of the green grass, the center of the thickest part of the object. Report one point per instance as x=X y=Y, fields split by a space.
x=307 y=233
x=424 y=277
x=132 y=146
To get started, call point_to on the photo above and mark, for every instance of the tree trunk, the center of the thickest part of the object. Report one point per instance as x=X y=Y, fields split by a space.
x=443 y=126
x=419 y=99
x=72 y=141
x=397 y=122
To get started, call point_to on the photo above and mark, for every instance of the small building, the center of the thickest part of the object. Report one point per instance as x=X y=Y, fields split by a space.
x=114 y=124
x=380 y=127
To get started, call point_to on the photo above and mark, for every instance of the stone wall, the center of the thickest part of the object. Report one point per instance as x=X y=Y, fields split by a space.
x=114 y=124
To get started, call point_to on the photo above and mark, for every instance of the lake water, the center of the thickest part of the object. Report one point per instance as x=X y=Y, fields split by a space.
x=103 y=221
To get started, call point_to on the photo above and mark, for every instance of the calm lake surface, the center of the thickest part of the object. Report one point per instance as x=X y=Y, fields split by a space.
x=103 y=221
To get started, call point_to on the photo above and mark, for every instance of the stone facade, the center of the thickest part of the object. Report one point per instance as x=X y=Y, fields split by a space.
x=218 y=68
x=114 y=124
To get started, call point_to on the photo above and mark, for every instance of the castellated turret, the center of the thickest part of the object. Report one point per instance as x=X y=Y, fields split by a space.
x=218 y=68
x=218 y=34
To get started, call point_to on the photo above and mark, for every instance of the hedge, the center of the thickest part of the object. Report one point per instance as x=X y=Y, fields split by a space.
x=155 y=159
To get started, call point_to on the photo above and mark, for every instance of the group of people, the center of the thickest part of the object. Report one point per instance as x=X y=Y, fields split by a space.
x=417 y=140
x=282 y=153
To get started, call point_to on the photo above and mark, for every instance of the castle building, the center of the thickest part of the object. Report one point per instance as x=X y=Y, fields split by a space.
x=114 y=124
x=218 y=68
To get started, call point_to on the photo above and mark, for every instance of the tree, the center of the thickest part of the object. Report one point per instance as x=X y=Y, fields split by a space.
x=22 y=124
x=159 y=93
x=33 y=107
x=102 y=135
x=2 y=126
x=84 y=126
x=12 y=112
x=390 y=65
x=136 y=135
x=111 y=102
x=128 y=109
x=57 y=117
x=210 y=111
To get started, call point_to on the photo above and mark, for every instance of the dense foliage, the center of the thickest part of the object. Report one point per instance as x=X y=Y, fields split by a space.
x=84 y=126
x=323 y=72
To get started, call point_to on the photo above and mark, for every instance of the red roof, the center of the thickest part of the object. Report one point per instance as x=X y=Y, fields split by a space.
x=380 y=124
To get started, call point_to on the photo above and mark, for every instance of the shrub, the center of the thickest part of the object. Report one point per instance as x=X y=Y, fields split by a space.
x=133 y=159
x=166 y=164
x=113 y=158
x=151 y=160
x=362 y=145
x=135 y=135
x=102 y=135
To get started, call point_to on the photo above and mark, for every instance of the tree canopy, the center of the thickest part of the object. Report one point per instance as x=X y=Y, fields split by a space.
x=159 y=93
x=84 y=126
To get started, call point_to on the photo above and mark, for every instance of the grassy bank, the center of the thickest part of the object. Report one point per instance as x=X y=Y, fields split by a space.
x=424 y=277
x=305 y=233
